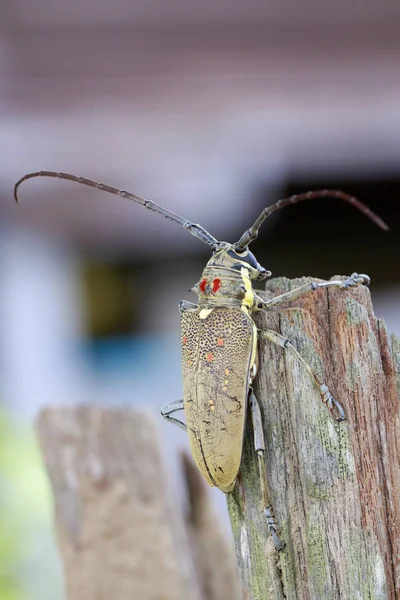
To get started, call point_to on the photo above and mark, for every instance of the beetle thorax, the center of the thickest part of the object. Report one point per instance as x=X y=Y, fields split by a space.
x=218 y=286
x=226 y=280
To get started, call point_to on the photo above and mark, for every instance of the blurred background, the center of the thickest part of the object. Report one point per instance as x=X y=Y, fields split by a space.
x=213 y=109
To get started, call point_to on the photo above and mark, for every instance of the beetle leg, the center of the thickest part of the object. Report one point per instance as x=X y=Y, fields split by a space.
x=351 y=281
x=170 y=408
x=259 y=445
x=327 y=397
x=186 y=305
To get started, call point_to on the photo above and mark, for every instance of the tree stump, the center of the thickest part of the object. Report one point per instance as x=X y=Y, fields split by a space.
x=335 y=487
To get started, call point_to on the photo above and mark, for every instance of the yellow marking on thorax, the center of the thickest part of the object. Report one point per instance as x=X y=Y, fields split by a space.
x=247 y=303
x=248 y=299
x=254 y=360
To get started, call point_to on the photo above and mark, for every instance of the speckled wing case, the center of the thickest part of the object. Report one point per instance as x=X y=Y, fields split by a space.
x=216 y=361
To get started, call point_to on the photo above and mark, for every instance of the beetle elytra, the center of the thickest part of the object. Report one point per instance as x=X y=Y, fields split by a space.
x=219 y=345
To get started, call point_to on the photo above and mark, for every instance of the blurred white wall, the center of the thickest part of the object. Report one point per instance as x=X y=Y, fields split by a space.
x=40 y=317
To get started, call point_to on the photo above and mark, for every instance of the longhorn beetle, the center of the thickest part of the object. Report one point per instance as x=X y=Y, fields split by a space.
x=219 y=344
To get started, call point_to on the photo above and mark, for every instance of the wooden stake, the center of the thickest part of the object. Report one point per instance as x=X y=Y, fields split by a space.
x=120 y=536
x=335 y=487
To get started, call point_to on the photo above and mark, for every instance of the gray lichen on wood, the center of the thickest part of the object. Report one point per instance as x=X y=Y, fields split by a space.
x=335 y=487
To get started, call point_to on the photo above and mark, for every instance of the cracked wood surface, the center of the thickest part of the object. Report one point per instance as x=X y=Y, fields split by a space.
x=119 y=533
x=335 y=487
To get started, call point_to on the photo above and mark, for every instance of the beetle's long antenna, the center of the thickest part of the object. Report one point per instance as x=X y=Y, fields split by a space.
x=196 y=230
x=251 y=234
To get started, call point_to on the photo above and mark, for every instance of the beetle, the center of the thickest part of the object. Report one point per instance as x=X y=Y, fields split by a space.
x=219 y=344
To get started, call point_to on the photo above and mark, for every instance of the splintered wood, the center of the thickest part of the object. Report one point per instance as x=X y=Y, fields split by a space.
x=119 y=534
x=335 y=487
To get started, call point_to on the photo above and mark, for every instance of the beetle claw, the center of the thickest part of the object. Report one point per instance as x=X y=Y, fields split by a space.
x=278 y=543
x=331 y=402
x=356 y=279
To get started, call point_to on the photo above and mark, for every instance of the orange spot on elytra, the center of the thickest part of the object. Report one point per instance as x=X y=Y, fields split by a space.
x=209 y=356
x=189 y=362
x=184 y=341
x=224 y=389
x=226 y=371
x=220 y=342
x=216 y=285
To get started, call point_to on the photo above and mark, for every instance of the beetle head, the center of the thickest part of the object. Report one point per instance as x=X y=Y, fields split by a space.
x=226 y=255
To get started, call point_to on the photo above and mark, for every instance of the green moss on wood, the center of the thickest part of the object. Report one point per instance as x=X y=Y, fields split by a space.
x=287 y=566
x=356 y=312
x=317 y=491
x=352 y=376
x=395 y=341
x=334 y=439
x=318 y=569
x=235 y=514
x=366 y=571
x=259 y=581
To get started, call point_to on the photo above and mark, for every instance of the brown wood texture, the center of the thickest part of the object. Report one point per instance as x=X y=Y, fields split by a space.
x=120 y=533
x=335 y=487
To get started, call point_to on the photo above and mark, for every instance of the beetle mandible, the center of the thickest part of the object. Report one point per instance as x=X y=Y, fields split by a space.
x=219 y=344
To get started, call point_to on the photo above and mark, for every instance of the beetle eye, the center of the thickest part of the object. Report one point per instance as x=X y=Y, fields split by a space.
x=251 y=259
x=244 y=257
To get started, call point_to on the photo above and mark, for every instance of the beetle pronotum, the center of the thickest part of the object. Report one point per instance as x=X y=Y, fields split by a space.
x=219 y=344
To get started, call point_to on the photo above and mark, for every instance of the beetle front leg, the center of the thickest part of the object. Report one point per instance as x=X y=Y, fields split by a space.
x=170 y=408
x=259 y=445
x=353 y=280
x=186 y=305
x=283 y=342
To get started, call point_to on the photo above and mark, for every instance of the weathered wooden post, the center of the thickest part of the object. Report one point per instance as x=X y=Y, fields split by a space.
x=335 y=486
x=119 y=535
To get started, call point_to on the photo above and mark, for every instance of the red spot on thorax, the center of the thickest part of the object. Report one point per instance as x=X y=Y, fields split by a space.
x=216 y=285
x=203 y=285
x=209 y=356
